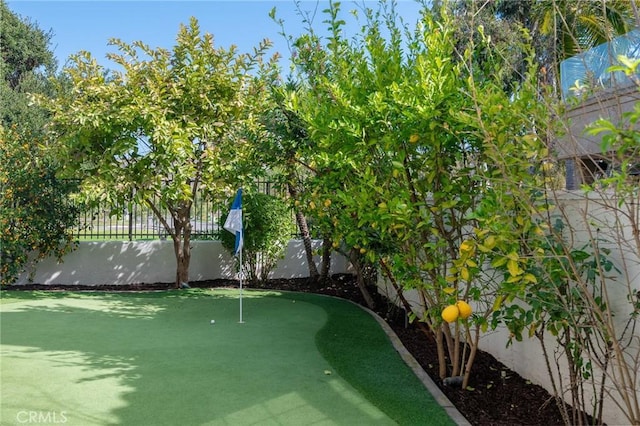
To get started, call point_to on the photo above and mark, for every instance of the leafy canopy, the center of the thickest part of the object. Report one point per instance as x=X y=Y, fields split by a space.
x=166 y=122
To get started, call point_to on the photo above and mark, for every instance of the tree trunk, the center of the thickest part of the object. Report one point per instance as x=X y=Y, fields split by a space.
x=326 y=259
x=405 y=303
x=442 y=360
x=182 y=245
x=308 y=247
x=473 y=344
x=455 y=361
x=180 y=235
x=355 y=261
x=304 y=233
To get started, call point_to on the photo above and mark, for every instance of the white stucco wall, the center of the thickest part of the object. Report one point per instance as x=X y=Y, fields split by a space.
x=294 y=264
x=133 y=262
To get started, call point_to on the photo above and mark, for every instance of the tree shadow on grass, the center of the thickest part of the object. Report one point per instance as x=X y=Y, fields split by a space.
x=360 y=351
x=155 y=358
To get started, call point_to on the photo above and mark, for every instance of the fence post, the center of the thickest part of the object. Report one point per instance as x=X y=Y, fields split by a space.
x=131 y=207
x=130 y=225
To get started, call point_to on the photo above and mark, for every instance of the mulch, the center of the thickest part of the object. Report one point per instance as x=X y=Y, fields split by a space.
x=497 y=395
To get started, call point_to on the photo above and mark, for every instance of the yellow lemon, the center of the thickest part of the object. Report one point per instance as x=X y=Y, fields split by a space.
x=414 y=138
x=363 y=250
x=450 y=313
x=464 y=309
x=327 y=202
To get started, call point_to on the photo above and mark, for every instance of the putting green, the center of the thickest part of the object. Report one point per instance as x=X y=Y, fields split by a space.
x=155 y=358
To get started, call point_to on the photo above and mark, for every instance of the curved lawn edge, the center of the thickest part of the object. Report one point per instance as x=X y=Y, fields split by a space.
x=370 y=365
x=412 y=363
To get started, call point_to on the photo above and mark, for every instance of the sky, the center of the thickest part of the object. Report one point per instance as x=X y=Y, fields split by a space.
x=88 y=25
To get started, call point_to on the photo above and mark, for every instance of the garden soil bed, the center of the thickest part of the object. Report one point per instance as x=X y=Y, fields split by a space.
x=499 y=396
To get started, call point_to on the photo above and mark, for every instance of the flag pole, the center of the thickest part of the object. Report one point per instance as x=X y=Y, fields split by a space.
x=241 y=274
x=233 y=224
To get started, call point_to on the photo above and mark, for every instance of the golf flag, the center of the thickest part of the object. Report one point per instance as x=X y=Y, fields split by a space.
x=233 y=223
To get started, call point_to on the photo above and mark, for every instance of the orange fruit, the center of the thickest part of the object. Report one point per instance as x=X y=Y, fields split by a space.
x=464 y=309
x=450 y=313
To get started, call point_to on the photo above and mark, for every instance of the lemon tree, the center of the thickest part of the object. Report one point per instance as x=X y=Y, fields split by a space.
x=397 y=161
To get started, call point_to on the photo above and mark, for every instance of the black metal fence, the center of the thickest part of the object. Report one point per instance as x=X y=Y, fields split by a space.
x=132 y=221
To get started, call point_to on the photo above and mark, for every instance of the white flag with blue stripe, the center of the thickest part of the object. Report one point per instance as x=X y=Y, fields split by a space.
x=233 y=223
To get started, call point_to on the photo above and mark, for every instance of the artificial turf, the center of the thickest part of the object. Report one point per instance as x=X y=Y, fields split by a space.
x=155 y=358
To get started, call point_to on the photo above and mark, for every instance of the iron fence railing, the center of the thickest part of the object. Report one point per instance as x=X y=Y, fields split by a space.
x=132 y=221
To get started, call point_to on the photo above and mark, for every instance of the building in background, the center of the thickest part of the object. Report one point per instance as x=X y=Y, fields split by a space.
x=592 y=92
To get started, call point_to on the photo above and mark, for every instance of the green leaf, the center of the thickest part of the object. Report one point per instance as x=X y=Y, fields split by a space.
x=498 y=262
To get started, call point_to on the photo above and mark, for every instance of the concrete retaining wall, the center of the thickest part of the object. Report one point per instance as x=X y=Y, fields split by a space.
x=133 y=262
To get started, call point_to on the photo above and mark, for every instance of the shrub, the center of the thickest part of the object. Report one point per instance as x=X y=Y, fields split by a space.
x=36 y=214
x=267 y=230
